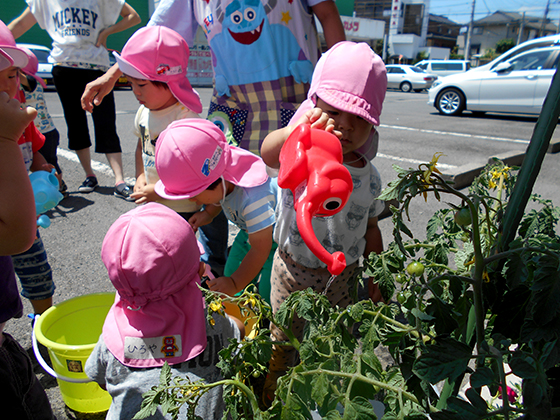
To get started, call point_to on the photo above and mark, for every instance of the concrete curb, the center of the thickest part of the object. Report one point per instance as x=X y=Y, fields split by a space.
x=463 y=176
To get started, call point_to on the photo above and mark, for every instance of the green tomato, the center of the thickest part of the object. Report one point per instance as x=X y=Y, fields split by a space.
x=415 y=269
x=400 y=278
x=401 y=298
x=256 y=374
x=463 y=217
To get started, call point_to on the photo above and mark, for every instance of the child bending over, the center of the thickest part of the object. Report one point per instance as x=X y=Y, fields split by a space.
x=153 y=260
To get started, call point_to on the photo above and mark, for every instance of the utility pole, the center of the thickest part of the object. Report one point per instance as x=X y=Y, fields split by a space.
x=469 y=34
x=521 y=27
x=541 y=33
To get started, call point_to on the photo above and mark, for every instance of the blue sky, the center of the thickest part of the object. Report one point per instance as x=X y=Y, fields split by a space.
x=460 y=10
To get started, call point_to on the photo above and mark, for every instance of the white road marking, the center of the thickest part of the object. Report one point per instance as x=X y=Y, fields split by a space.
x=451 y=133
x=97 y=166
x=418 y=162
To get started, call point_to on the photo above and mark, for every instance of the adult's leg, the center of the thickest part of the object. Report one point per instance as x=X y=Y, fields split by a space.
x=70 y=84
x=106 y=139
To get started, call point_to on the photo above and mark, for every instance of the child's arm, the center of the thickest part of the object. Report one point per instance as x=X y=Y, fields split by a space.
x=17 y=206
x=205 y=216
x=374 y=243
x=252 y=264
x=273 y=142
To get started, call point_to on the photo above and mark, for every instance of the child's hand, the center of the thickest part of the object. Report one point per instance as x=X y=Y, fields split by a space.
x=223 y=285
x=317 y=119
x=145 y=195
x=14 y=119
x=200 y=218
x=140 y=183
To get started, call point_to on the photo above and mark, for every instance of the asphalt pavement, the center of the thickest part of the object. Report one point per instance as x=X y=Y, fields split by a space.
x=411 y=132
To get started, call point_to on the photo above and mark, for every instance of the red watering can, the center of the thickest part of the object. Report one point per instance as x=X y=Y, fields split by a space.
x=311 y=167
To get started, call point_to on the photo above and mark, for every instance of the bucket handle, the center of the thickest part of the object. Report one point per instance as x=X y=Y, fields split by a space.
x=47 y=368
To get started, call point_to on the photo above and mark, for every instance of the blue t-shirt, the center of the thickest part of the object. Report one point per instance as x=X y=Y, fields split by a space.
x=252 y=209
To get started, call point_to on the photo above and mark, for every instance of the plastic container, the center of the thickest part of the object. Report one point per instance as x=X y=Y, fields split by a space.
x=70 y=330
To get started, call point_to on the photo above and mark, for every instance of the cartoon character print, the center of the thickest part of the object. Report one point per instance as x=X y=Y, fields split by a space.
x=265 y=51
x=374 y=186
x=169 y=348
x=354 y=250
x=355 y=215
x=333 y=242
x=231 y=121
x=295 y=237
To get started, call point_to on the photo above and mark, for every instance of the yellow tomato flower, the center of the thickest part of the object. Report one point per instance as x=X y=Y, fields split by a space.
x=215 y=306
x=432 y=167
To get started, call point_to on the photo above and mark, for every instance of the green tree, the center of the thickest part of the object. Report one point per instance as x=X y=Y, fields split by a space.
x=503 y=45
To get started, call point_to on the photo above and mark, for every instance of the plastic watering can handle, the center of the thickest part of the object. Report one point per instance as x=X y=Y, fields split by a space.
x=47 y=368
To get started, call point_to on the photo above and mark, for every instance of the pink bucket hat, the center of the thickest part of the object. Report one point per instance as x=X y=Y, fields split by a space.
x=160 y=54
x=5 y=60
x=32 y=66
x=193 y=153
x=8 y=45
x=351 y=77
x=152 y=258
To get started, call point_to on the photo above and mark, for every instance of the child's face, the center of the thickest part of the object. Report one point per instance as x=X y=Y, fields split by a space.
x=151 y=96
x=9 y=81
x=209 y=196
x=355 y=130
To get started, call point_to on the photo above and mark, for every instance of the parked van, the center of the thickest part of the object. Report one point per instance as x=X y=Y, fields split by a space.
x=444 y=67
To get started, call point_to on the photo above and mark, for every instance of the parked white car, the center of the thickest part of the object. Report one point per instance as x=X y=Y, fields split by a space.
x=45 y=68
x=518 y=85
x=444 y=67
x=543 y=42
x=407 y=78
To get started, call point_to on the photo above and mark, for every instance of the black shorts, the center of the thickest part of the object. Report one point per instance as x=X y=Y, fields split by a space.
x=70 y=85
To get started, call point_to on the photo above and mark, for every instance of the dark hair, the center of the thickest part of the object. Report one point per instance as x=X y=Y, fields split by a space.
x=214 y=184
x=161 y=85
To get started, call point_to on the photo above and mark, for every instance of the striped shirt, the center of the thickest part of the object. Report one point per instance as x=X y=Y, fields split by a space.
x=252 y=209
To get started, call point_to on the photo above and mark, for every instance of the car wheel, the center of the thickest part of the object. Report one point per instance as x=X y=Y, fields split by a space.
x=450 y=102
x=406 y=87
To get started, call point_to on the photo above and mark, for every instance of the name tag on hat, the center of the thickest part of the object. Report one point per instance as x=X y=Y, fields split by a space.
x=142 y=348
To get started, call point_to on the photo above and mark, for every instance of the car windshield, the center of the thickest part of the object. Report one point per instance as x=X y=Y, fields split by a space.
x=417 y=69
x=42 y=56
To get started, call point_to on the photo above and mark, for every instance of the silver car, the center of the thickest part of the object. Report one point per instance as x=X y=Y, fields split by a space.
x=45 y=68
x=407 y=78
x=517 y=85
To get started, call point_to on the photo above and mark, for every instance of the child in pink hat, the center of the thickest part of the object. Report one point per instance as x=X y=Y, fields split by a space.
x=195 y=162
x=153 y=260
x=155 y=61
x=346 y=97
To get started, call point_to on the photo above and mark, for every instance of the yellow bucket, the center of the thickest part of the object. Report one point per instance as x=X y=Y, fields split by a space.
x=70 y=330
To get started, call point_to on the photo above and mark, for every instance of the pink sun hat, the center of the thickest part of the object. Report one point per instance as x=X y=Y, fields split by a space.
x=8 y=45
x=160 y=54
x=193 y=153
x=350 y=77
x=5 y=60
x=32 y=66
x=153 y=260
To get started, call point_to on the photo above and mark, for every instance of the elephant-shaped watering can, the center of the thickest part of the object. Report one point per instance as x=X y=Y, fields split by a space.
x=47 y=195
x=311 y=167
